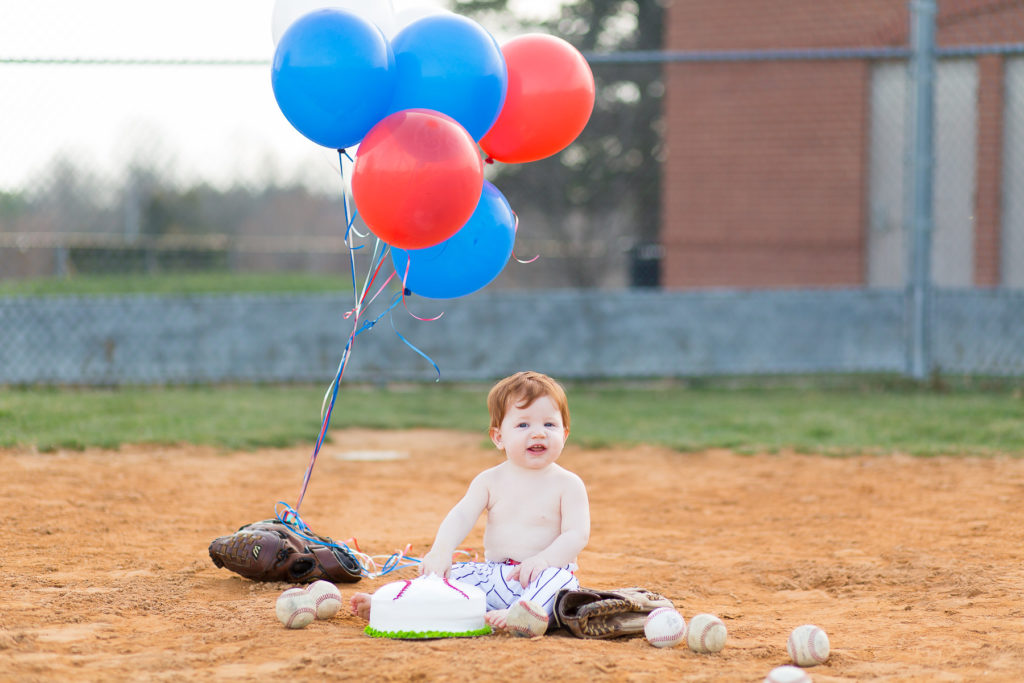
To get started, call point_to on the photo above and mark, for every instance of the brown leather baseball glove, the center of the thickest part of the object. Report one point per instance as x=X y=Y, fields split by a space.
x=272 y=551
x=606 y=614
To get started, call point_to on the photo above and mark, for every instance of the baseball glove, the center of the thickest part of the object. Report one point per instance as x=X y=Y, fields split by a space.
x=606 y=614
x=272 y=551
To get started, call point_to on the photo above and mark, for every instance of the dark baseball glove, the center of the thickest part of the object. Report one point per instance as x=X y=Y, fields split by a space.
x=606 y=614
x=272 y=551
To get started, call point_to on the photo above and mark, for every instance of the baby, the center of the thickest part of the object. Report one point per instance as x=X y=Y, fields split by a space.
x=538 y=515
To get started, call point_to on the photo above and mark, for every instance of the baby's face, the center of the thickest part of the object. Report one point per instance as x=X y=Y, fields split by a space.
x=532 y=437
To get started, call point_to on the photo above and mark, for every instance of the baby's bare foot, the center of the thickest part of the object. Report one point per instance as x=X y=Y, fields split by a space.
x=496 y=618
x=360 y=605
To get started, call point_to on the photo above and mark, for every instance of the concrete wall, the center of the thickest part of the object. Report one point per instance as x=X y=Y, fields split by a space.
x=568 y=333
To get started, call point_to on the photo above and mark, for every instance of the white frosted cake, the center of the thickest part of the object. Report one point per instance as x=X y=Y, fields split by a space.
x=427 y=607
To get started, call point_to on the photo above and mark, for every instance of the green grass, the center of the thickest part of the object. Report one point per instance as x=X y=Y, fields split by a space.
x=840 y=420
x=836 y=422
x=178 y=283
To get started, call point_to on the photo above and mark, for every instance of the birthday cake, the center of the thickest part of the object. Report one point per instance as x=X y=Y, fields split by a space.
x=427 y=607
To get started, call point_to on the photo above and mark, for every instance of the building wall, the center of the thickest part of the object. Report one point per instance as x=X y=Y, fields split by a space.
x=766 y=171
x=764 y=174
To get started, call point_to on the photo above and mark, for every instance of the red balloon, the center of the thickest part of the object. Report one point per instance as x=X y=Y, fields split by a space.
x=417 y=178
x=549 y=100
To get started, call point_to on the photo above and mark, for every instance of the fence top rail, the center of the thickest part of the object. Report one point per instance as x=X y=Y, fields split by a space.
x=802 y=54
x=630 y=57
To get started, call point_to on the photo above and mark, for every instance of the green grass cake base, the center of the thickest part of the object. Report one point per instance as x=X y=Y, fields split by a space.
x=420 y=635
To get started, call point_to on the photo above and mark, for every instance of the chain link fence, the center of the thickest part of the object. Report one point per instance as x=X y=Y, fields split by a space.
x=741 y=202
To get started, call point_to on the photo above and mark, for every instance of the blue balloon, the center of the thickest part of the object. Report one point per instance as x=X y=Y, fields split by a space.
x=451 y=64
x=333 y=76
x=468 y=260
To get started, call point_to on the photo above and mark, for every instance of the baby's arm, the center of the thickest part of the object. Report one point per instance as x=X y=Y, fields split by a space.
x=456 y=525
x=575 y=532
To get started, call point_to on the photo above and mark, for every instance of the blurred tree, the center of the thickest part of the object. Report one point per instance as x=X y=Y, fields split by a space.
x=12 y=204
x=601 y=195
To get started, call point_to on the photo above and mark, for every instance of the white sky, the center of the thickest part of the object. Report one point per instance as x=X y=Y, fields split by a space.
x=217 y=123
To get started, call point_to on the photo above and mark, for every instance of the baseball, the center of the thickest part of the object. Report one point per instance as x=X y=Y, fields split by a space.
x=808 y=645
x=706 y=633
x=665 y=627
x=787 y=674
x=326 y=597
x=527 y=619
x=295 y=608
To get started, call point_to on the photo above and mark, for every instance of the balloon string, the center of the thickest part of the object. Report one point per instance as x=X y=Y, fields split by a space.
x=515 y=231
x=332 y=390
x=326 y=420
x=350 y=214
x=360 y=303
x=376 y=271
x=382 y=287
x=409 y=344
x=405 y=290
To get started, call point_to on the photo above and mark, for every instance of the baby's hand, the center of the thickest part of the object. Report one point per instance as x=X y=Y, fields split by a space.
x=529 y=569
x=435 y=563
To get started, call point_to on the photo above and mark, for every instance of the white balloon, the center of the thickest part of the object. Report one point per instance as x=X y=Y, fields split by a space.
x=404 y=17
x=375 y=11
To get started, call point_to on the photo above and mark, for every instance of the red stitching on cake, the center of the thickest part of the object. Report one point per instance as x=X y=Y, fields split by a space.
x=454 y=589
x=404 y=588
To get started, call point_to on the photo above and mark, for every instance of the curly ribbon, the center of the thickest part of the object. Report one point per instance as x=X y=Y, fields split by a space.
x=405 y=291
x=410 y=345
x=515 y=231
x=368 y=565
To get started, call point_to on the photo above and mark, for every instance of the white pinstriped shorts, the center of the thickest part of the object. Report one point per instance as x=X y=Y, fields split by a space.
x=502 y=592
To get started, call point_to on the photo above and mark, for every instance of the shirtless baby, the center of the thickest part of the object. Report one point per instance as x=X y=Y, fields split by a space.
x=538 y=515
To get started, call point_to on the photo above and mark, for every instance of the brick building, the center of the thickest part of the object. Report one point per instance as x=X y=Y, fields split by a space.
x=789 y=172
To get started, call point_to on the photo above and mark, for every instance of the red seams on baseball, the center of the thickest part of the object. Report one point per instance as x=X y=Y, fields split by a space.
x=300 y=611
x=812 y=633
x=533 y=612
x=668 y=637
x=815 y=655
x=321 y=598
x=705 y=632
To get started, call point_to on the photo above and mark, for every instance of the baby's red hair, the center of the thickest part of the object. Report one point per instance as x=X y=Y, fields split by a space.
x=524 y=388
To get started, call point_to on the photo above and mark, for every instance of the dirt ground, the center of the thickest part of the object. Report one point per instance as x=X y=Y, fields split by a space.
x=912 y=566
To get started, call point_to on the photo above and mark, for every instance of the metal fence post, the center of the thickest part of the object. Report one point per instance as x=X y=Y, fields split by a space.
x=922 y=157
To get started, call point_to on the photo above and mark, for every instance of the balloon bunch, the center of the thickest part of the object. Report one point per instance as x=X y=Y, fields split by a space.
x=421 y=94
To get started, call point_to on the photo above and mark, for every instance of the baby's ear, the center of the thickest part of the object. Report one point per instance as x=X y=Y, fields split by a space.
x=496 y=438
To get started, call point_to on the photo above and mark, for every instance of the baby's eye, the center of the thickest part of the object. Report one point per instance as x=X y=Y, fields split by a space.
x=522 y=424
x=550 y=424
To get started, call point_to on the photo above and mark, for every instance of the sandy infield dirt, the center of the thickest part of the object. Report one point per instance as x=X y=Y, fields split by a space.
x=912 y=566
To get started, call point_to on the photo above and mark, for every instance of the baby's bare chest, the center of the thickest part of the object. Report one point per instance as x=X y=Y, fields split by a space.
x=534 y=508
